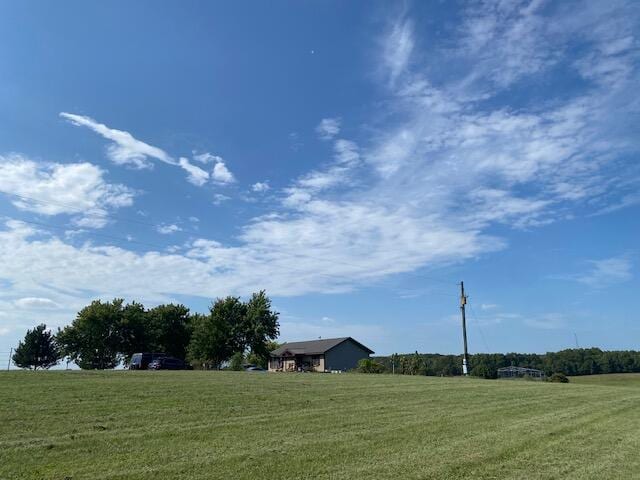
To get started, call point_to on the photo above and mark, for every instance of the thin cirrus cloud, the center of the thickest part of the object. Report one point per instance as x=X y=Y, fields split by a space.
x=398 y=46
x=36 y=303
x=166 y=229
x=328 y=128
x=220 y=198
x=127 y=150
x=608 y=271
x=603 y=272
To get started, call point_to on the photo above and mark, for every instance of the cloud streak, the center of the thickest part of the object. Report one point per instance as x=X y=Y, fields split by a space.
x=605 y=272
x=125 y=149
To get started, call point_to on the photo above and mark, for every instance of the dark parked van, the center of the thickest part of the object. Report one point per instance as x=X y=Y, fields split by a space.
x=169 y=363
x=141 y=361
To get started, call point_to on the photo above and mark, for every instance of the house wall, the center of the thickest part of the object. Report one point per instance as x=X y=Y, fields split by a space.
x=273 y=364
x=344 y=356
x=320 y=368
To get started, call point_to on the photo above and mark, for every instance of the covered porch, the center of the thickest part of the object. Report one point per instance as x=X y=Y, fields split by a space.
x=292 y=361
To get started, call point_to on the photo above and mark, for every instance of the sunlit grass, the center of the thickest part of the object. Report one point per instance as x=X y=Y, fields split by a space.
x=227 y=425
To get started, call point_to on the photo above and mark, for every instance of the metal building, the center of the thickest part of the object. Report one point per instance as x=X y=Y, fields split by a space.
x=520 y=372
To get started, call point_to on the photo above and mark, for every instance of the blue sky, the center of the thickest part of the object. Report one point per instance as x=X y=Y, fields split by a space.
x=355 y=159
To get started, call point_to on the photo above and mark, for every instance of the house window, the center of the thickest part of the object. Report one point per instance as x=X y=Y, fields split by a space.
x=315 y=360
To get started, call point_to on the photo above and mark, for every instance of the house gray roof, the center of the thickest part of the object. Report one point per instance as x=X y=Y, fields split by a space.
x=314 y=347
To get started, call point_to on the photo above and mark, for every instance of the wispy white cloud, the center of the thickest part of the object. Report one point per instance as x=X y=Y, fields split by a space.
x=346 y=152
x=36 y=303
x=605 y=272
x=523 y=36
x=197 y=176
x=328 y=128
x=221 y=173
x=547 y=321
x=492 y=316
x=207 y=157
x=338 y=173
x=127 y=150
x=462 y=145
x=77 y=189
x=167 y=229
x=397 y=48
x=219 y=198
x=260 y=187
x=295 y=143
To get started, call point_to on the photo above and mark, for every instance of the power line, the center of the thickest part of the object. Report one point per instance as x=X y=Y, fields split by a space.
x=104 y=235
x=477 y=322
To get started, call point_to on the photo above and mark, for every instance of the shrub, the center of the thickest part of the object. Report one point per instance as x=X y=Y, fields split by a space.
x=483 y=371
x=236 y=361
x=559 y=378
x=367 y=365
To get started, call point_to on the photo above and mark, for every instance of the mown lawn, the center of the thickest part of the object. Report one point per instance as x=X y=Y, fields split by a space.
x=628 y=380
x=226 y=425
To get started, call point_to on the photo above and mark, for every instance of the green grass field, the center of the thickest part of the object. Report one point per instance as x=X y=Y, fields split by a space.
x=227 y=425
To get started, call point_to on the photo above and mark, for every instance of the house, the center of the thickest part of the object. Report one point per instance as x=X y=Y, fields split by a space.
x=324 y=355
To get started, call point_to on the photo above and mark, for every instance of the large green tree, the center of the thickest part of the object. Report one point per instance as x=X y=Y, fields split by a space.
x=217 y=336
x=235 y=328
x=260 y=326
x=169 y=329
x=94 y=340
x=37 y=350
x=134 y=330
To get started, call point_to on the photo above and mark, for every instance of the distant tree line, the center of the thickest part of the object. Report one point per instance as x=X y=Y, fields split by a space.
x=579 y=361
x=104 y=334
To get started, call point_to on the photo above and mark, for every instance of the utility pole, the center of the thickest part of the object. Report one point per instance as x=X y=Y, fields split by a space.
x=575 y=336
x=9 y=362
x=463 y=302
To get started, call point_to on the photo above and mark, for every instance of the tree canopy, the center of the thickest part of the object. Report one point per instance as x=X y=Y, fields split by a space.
x=103 y=334
x=93 y=340
x=579 y=361
x=234 y=327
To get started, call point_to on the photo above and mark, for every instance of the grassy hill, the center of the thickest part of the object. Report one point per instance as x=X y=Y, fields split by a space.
x=219 y=425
